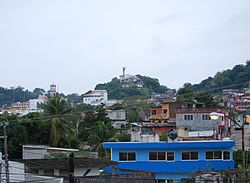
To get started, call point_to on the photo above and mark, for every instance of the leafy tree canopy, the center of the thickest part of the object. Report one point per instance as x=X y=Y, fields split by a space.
x=237 y=78
x=186 y=94
x=116 y=91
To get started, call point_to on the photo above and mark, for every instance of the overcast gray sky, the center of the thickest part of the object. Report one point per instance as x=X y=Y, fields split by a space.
x=78 y=43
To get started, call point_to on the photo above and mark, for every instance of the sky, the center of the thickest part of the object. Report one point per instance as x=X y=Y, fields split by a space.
x=77 y=44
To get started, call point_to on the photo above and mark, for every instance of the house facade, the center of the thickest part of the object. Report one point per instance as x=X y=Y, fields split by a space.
x=118 y=118
x=164 y=113
x=172 y=161
x=196 y=119
x=95 y=97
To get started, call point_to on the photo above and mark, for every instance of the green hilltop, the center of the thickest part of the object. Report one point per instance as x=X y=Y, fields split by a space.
x=116 y=90
x=236 y=78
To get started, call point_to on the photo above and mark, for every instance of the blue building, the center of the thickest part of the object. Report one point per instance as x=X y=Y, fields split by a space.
x=172 y=160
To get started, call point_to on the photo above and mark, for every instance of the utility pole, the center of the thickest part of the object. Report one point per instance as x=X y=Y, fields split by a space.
x=243 y=152
x=1 y=169
x=71 y=168
x=4 y=124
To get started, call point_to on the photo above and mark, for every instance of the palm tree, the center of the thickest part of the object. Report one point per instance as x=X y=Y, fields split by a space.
x=100 y=133
x=61 y=121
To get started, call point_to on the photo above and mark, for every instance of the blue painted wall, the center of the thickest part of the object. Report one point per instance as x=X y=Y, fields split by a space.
x=172 y=169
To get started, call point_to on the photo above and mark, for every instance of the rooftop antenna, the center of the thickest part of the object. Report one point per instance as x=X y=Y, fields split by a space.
x=123 y=71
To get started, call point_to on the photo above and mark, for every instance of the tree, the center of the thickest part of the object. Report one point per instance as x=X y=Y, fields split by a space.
x=39 y=91
x=100 y=133
x=16 y=135
x=136 y=109
x=90 y=120
x=186 y=94
x=117 y=91
x=37 y=129
x=74 y=98
x=61 y=120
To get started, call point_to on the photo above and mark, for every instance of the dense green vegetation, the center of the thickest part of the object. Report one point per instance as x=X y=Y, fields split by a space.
x=186 y=94
x=19 y=94
x=116 y=91
x=60 y=125
x=237 y=78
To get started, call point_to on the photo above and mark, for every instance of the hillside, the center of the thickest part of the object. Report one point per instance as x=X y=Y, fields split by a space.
x=237 y=78
x=19 y=94
x=117 y=91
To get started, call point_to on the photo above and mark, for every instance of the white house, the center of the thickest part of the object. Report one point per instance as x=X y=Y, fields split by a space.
x=33 y=103
x=95 y=97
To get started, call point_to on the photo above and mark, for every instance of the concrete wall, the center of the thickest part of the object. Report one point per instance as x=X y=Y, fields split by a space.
x=34 y=153
x=116 y=114
x=16 y=171
x=197 y=124
x=118 y=118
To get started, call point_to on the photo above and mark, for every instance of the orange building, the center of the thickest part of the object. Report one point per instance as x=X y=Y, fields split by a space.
x=164 y=113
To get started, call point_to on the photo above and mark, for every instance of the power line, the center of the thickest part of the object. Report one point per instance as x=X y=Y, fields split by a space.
x=20 y=120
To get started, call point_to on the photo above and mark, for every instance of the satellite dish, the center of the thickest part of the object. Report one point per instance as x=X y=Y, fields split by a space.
x=172 y=134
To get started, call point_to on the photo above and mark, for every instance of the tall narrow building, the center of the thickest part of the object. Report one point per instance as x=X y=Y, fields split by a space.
x=52 y=91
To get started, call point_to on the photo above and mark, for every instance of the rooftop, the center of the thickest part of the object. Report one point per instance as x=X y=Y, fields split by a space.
x=172 y=145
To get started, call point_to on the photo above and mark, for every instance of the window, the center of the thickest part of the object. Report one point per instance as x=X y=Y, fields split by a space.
x=170 y=156
x=127 y=156
x=157 y=156
x=189 y=155
x=206 y=117
x=153 y=112
x=188 y=117
x=226 y=155
x=161 y=156
x=213 y=155
x=165 y=111
x=209 y=155
x=217 y=155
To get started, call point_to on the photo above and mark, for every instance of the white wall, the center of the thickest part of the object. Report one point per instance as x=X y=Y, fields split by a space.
x=16 y=171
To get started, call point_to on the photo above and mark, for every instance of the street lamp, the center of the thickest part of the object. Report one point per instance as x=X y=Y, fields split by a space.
x=216 y=116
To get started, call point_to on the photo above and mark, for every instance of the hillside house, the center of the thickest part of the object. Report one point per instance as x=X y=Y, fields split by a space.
x=95 y=97
x=164 y=113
